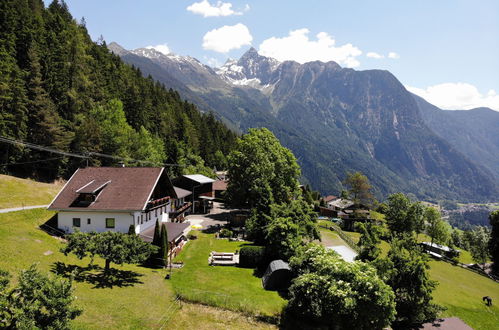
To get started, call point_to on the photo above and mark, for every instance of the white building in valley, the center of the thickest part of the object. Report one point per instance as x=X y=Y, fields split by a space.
x=113 y=198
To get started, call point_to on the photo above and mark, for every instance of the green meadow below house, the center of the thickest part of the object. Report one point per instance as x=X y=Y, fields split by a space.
x=132 y=297
x=228 y=287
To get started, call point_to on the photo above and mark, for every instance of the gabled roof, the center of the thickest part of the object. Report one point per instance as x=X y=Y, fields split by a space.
x=199 y=178
x=114 y=188
x=181 y=193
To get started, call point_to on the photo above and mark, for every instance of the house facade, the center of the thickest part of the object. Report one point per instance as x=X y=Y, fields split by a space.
x=113 y=198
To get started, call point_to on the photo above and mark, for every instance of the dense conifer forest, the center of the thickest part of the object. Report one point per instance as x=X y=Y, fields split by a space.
x=59 y=89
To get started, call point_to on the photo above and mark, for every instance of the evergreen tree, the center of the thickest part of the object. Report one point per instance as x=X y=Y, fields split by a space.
x=131 y=230
x=164 y=247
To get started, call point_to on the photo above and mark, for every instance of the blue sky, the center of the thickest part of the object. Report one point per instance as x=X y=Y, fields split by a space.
x=446 y=50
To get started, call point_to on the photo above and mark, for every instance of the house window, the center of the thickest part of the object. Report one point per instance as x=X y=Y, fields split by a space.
x=76 y=222
x=89 y=221
x=109 y=222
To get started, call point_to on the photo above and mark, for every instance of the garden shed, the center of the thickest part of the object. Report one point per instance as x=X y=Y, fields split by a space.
x=277 y=276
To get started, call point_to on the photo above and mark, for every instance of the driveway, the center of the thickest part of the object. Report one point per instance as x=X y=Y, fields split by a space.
x=219 y=215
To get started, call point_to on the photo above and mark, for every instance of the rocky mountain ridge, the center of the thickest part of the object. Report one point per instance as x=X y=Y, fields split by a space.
x=334 y=119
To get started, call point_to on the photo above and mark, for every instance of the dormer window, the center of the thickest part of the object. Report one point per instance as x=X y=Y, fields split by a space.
x=88 y=193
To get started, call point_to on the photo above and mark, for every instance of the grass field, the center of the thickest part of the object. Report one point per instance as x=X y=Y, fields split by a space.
x=135 y=298
x=233 y=288
x=16 y=192
x=461 y=292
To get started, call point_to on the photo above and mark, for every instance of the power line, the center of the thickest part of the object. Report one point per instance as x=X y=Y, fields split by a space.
x=32 y=162
x=86 y=155
x=37 y=147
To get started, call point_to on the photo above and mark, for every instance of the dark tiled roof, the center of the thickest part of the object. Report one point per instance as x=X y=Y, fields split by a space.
x=128 y=188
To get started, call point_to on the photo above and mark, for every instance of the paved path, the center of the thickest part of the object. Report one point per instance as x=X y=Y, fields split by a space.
x=14 y=209
x=218 y=216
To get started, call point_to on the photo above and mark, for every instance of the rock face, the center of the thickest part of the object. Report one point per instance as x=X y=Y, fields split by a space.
x=333 y=119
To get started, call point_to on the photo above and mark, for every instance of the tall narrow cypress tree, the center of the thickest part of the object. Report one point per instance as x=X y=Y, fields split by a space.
x=156 y=240
x=164 y=245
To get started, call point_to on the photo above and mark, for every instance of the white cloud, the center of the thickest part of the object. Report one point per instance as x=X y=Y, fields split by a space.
x=227 y=38
x=457 y=96
x=393 y=55
x=160 y=48
x=298 y=47
x=219 y=9
x=374 y=55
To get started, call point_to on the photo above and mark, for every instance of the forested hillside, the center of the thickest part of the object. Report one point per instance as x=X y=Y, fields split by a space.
x=59 y=89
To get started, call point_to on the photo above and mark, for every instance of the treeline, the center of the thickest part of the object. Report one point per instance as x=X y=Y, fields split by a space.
x=59 y=89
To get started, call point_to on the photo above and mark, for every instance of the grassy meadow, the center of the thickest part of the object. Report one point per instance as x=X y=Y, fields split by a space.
x=134 y=297
x=16 y=192
x=229 y=287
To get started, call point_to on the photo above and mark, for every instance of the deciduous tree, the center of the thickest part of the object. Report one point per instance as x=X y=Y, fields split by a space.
x=338 y=294
x=406 y=271
x=369 y=241
x=36 y=302
x=436 y=228
x=479 y=244
x=494 y=240
x=261 y=171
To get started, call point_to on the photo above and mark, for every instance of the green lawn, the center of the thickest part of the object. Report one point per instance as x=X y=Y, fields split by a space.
x=229 y=287
x=461 y=292
x=143 y=299
x=16 y=192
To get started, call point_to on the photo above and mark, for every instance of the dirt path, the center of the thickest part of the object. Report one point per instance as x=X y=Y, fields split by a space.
x=14 y=209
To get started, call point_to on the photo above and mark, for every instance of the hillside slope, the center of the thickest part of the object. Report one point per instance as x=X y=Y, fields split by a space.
x=17 y=192
x=474 y=132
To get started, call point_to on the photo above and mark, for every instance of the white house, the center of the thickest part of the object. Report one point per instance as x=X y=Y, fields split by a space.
x=113 y=198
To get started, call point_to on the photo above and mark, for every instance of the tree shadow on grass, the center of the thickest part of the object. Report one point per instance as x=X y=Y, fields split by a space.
x=95 y=275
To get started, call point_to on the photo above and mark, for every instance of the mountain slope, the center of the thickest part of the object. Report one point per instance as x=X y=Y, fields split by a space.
x=335 y=120
x=475 y=132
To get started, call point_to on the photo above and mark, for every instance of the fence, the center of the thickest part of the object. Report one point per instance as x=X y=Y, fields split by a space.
x=343 y=236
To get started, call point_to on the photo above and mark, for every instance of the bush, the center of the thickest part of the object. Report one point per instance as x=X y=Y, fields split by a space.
x=226 y=233
x=252 y=256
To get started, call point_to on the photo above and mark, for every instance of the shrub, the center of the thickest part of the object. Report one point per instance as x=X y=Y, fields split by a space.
x=251 y=256
x=226 y=233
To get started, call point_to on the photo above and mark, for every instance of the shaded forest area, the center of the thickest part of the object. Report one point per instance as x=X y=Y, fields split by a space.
x=59 y=89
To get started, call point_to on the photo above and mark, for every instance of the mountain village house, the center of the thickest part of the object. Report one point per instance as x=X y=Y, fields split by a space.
x=114 y=198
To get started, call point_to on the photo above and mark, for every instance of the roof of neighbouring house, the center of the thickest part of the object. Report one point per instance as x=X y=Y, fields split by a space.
x=199 y=178
x=115 y=188
x=220 y=185
x=174 y=230
x=181 y=193
x=330 y=198
x=341 y=203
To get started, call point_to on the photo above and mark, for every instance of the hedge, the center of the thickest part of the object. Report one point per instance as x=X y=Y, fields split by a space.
x=251 y=256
